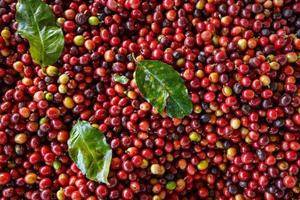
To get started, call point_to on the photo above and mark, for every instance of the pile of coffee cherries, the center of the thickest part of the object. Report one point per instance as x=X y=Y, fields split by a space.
x=240 y=60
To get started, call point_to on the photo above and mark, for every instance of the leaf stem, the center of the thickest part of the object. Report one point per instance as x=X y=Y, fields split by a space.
x=133 y=57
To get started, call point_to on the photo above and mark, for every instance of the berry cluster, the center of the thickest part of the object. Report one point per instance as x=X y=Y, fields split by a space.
x=240 y=62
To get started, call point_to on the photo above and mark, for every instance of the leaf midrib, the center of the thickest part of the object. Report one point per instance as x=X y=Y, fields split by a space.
x=82 y=140
x=38 y=28
x=87 y=147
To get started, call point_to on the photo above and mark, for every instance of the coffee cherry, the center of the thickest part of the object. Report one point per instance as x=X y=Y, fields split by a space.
x=30 y=178
x=202 y=165
x=4 y=178
x=239 y=61
x=52 y=71
x=78 y=40
x=93 y=20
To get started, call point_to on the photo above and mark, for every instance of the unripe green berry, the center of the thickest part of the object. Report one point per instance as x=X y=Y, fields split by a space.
x=94 y=21
x=171 y=185
x=194 y=137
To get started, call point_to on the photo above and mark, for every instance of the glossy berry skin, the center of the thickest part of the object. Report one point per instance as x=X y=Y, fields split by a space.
x=4 y=178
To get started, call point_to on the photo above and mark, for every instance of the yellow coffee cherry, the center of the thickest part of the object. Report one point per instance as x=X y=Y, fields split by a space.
x=62 y=89
x=235 y=123
x=78 y=40
x=52 y=70
x=202 y=165
x=227 y=91
x=5 y=33
x=68 y=102
x=265 y=80
x=63 y=79
x=231 y=152
x=194 y=137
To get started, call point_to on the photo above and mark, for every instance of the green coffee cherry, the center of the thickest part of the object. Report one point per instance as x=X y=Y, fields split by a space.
x=94 y=21
x=171 y=185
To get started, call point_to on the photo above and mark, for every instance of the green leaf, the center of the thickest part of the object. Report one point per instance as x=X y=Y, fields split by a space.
x=120 y=79
x=37 y=24
x=163 y=87
x=89 y=150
